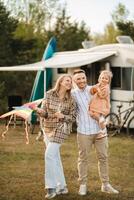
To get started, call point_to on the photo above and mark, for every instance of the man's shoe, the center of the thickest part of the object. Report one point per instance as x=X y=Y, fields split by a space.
x=109 y=189
x=62 y=191
x=51 y=193
x=82 y=190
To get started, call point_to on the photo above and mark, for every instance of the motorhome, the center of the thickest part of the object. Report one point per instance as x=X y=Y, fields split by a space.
x=119 y=58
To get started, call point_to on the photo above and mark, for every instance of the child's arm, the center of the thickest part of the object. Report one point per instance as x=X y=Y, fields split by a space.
x=93 y=89
x=103 y=92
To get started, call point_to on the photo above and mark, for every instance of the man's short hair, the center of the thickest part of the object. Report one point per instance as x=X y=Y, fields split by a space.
x=78 y=71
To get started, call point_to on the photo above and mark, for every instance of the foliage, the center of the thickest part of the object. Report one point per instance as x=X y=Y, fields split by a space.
x=109 y=35
x=120 y=25
x=7 y=27
x=120 y=14
x=120 y=18
x=38 y=13
x=126 y=28
x=69 y=34
x=17 y=83
x=3 y=99
x=14 y=51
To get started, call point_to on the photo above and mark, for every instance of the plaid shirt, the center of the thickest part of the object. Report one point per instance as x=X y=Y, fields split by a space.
x=57 y=130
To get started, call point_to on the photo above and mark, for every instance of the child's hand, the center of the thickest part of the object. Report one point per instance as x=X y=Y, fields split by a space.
x=93 y=90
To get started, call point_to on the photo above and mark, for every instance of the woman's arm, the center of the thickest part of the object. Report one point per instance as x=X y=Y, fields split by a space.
x=71 y=117
x=43 y=110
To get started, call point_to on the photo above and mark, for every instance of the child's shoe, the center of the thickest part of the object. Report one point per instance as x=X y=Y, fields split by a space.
x=102 y=133
x=102 y=122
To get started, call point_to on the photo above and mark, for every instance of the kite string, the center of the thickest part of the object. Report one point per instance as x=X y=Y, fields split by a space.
x=26 y=132
x=7 y=127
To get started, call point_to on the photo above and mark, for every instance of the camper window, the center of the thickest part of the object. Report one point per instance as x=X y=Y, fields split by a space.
x=62 y=70
x=116 y=80
x=126 y=78
x=122 y=78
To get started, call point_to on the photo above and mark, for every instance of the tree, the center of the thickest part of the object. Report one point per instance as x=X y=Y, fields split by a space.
x=119 y=26
x=120 y=18
x=109 y=35
x=38 y=13
x=7 y=28
x=120 y=13
x=126 y=28
x=68 y=34
x=14 y=51
x=3 y=98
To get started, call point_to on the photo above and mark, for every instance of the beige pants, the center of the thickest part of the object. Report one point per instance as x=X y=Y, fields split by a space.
x=85 y=143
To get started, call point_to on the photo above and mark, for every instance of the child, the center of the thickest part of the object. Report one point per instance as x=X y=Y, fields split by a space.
x=99 y=106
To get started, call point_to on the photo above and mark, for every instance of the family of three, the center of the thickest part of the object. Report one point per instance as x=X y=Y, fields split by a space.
x=88 y=106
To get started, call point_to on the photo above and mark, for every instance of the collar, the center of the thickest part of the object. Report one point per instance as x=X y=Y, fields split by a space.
x=83 y=90
x=57 y=95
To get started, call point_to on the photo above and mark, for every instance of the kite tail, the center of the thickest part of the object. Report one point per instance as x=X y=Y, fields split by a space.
x=7 y=127
x=26 y=132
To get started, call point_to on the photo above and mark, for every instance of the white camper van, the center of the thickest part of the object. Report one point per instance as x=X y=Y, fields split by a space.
x=118 y=57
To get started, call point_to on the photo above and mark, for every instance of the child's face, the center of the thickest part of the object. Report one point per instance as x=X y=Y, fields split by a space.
x=104 y=79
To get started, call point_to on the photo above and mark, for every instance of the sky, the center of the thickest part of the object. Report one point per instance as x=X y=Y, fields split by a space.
x=96 y=13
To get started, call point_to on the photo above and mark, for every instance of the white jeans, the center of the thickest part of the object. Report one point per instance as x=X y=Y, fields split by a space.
x=54 y=174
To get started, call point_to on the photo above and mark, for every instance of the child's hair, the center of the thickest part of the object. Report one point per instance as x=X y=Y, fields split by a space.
x=107 y=73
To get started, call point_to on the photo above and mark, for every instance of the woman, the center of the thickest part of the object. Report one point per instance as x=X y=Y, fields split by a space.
x=58 y=109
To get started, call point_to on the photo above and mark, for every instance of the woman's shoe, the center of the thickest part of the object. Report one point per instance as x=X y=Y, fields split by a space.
x=51 y=193
x=62 y=191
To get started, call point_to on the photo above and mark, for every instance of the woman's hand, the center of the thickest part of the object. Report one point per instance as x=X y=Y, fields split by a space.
x=59 y=115
x=33 y=106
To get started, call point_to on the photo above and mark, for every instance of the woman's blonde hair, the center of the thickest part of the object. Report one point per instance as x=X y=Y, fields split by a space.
x=107 y=73
x=59 y=81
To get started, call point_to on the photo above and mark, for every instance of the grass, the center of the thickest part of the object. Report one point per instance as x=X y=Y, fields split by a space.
x=22 y=168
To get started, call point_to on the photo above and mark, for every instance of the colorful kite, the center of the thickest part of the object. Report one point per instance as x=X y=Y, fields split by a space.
x=23 y=112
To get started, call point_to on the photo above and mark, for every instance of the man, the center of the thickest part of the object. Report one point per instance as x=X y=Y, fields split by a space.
x=87 y=135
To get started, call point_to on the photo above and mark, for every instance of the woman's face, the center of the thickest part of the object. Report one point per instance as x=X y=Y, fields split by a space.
x=66 y=83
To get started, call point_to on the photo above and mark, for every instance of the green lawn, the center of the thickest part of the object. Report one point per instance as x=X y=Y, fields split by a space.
x=22 y=168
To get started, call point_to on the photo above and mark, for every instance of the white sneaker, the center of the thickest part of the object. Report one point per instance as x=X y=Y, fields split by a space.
x=82 y=190
x=102 y=119
x=104 y=131
x=51 y=193
x=102 y=122
x=62 y=191
x=109 y=189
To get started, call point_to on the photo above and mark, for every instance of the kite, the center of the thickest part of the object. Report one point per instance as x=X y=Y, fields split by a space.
x=23 y=112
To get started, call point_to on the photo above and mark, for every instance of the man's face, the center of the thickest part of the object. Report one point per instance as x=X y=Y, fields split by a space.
x=80 y=80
